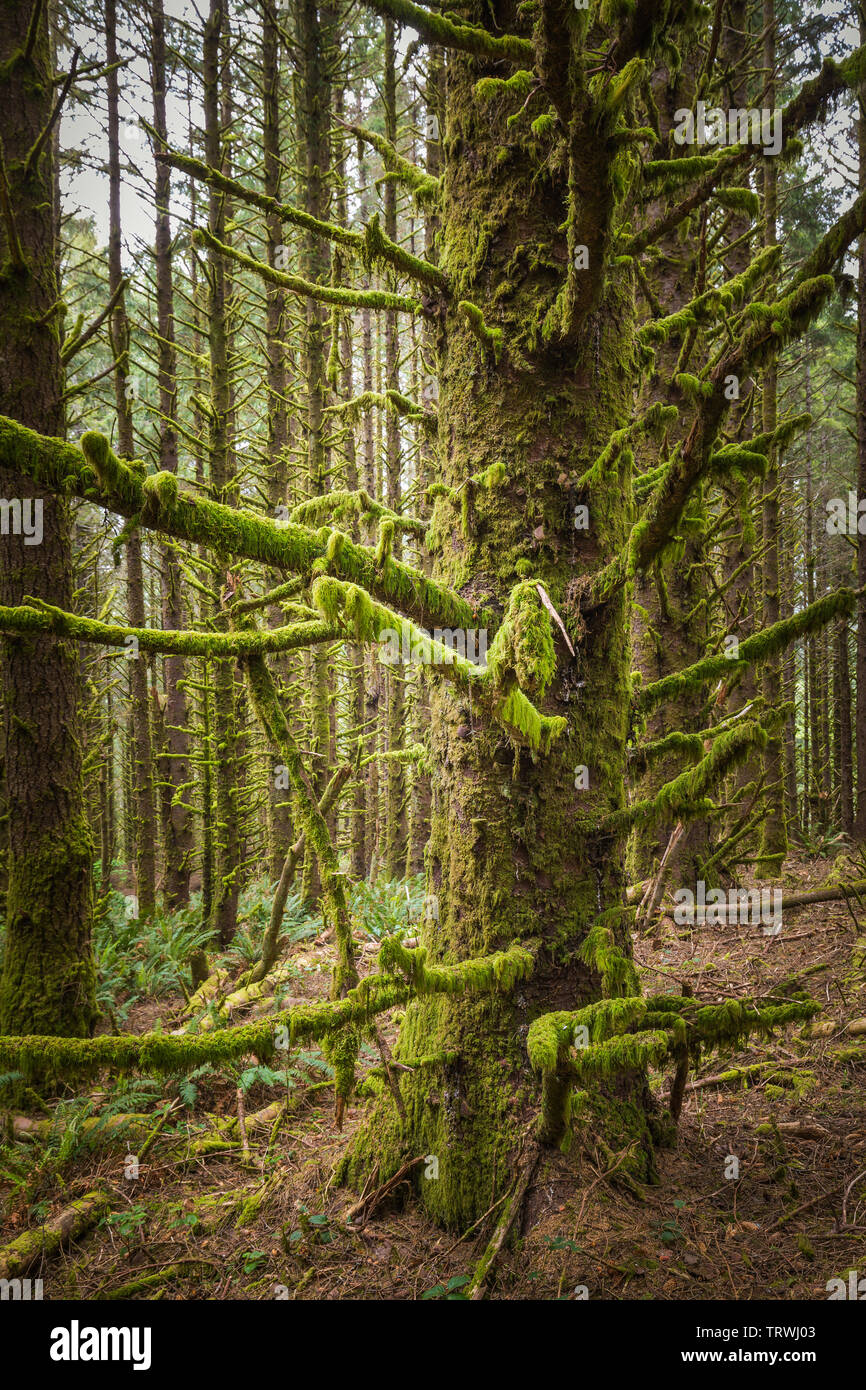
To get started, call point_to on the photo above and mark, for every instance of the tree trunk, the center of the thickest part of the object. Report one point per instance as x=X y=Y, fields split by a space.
x=513 y=854
x=175 y=751
x=48 y=979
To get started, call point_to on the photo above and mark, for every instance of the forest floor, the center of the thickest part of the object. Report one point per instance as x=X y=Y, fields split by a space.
x=214 y=1225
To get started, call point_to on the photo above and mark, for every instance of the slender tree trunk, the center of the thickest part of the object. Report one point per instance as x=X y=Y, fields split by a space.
x=394 y=848
x=315 y=117
x=774 y=837
x=125 y=388
x=280 y=830
x=175 y=754
x=224 y=745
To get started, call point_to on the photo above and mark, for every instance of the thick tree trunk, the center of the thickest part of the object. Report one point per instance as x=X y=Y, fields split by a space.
x=513 y=854
x=860 y=720
x=48 y=980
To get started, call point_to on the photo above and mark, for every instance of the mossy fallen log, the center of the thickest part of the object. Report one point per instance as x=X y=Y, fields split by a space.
x=74 y=1221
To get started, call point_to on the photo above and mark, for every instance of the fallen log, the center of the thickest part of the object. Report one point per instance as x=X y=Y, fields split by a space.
x=23 y=1252
x=720 y=914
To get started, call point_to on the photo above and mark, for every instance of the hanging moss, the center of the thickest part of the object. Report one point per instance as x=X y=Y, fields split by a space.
x=489 y=338
x=495 y=686
x=522 y=649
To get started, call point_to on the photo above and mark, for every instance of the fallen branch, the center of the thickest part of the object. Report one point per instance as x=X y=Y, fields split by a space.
x=484 y=1268
x=359 y=1214
x=720 y=911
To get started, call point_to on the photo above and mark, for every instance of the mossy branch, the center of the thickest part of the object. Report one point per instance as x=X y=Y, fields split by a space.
x=95 y=474
x=811 y=102
x=615 y=1036
x=197 y=169
x=379 y=248
x=268 y=707
x=425 y=188
x=35 y=616
x=305 y=289
x=466 y=38
x=385 y=400
x=160 y=1053
x=686 y=796
x=653 y=422
x=752 y=651
x=714 y=302
x=489 y=338
x=340 y=505
x=521 y=649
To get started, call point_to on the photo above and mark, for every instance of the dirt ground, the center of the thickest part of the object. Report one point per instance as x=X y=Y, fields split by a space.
x=763 y=1197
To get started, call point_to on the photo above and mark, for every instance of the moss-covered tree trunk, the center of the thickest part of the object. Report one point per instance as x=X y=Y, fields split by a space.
x=315 y=33
x=280 y=830
x=513 y=855
x=224 y=738
x=48 y=983
x=774 y=834
x=177 y=817
x=124 y=392
x=394 y=848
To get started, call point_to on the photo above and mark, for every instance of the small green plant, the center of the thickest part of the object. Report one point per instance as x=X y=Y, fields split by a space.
x=314 y=1230
x=130 y=1225
x=253 y=1260
x=670 y=1231
x=264 y=1076
x=450 y=1291
x=142 y=959
x=389 y=906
